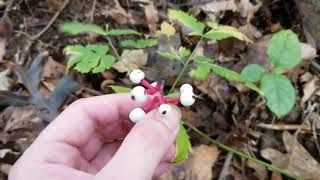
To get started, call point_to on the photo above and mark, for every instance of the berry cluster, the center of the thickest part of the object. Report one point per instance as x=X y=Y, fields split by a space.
x=140 y=94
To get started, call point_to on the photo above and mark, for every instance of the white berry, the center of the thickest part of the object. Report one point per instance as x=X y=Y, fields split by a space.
x=164 y=109
x=138 y=94
x=136 y=76
x=154 y=84
x=137 y=115
x=187 y=98
x=186 y=88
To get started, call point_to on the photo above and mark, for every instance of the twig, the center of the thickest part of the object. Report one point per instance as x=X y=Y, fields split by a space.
x=314 y=133
x=225 y=169
x=285 y=127
x=56 y=15
x=33 y=38
x=185 y=65
x=9 y=4
x=92 y=11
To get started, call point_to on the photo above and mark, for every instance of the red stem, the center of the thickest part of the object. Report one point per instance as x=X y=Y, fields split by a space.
x=152 y=104
x=175 y=101
x=150 y=89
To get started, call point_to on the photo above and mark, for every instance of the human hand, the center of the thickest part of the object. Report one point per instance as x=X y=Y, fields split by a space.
x=93 y=139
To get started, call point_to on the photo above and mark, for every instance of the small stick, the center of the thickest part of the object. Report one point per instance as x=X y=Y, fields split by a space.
x=33 y=38
x=56 y=15
x=92 y=11
x=285 y=127
x=226 y=165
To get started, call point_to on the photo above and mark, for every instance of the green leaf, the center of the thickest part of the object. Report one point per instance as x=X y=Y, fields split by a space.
x=284 y=50
x=252 y=72
x=173 y=95
x=120 y=89
x=183 y=145
x=226 y=73
x=92 y=58
x=184 y=52
x=187 y=20
x=119 y=32
x=219 y=32
x=106 y=62
x=140 y=44
x=279 y=92
x=203 y=68
x=169 y=56
x=75 y=28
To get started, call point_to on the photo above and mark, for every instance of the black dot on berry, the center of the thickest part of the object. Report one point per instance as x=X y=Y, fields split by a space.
x=194 y=97
x=164 y=112
x=133 y=98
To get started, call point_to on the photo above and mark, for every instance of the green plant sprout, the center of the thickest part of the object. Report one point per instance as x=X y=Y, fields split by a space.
x=283 y=51
x=97 y=58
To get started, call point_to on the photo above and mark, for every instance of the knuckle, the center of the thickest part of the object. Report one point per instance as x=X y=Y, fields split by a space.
x=153 y=133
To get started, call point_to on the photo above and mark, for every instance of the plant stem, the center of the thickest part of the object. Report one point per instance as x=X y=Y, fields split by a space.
x=112 y=47
x=241 y=154
x=185 y=65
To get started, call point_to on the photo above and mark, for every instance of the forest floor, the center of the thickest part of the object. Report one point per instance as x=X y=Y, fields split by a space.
x=227 y=112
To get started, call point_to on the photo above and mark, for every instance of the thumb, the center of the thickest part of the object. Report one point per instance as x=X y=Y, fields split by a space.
x=144 y=147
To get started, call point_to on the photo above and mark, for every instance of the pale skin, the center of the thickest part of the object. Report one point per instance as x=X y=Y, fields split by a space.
x=94 y=139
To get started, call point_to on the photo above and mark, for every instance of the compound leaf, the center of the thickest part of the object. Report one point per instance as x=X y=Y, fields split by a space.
x=284 y=50
x=98 y=48
x=120 y=89
x=205 y=66
x=187 y=20
x=203 y=69
x=183 y=145
x=166 y=29
x=75 y=28
x=184 y=52
x=279 y=93
x=92 y=58
x=119 y=32
x=219 y=32
x=174 y=95
x=252 y=72
x=106 y=62
x=140 y=44
x=227 y=73
x=169 y=56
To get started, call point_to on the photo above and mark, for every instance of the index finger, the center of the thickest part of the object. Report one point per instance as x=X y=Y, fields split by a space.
x=108 y=114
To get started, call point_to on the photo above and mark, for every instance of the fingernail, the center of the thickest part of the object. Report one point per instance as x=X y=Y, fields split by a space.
x=172 y=118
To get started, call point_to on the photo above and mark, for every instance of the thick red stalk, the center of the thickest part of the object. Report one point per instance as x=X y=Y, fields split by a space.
x=174 y=101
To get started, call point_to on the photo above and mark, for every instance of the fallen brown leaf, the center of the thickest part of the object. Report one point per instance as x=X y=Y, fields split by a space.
x=297 y=159
x=245 y=7
x=5 y=81
x=151 y=14
x=52 y=69
x=131 y=59
x=5 y=168
x=118 y=13
x=197 y=167
x=5 y=33
x=53 y=4
x=308 y=52
x=309 y=89
x=25 y=117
